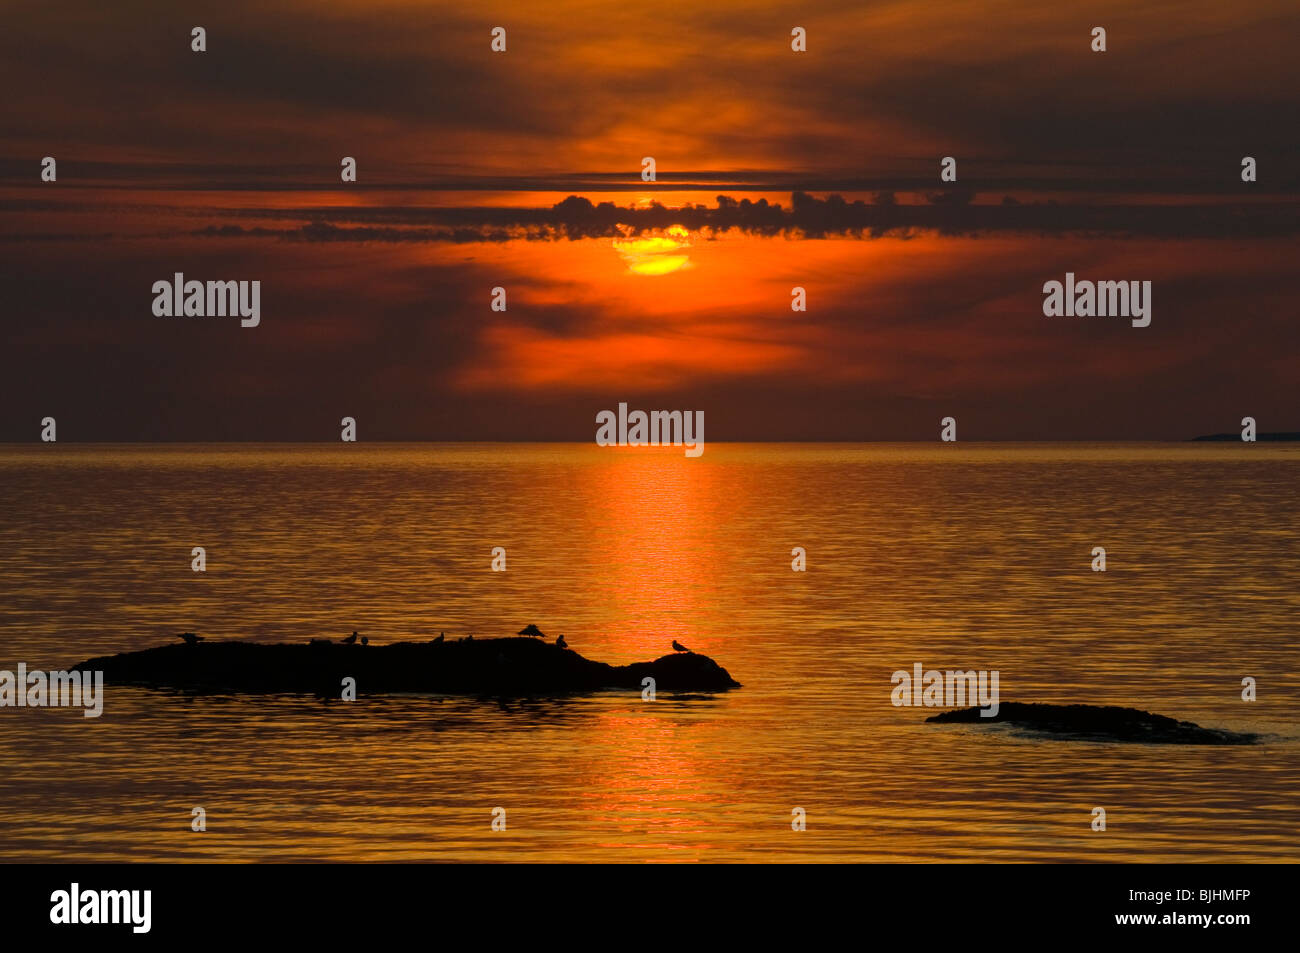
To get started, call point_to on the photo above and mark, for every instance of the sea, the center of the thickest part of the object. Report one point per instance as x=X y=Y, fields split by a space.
x=970 y=556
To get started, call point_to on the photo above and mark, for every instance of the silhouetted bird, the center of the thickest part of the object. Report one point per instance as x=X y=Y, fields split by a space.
x=468 y=638
x=678 y=647
x=190 y=638
x=364 y=640
x=561 y=643
x=441 y=637
x=532 y=630
x=350 y=639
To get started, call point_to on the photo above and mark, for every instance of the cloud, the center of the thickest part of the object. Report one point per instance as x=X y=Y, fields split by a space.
x=954 y=212
x=886 y=88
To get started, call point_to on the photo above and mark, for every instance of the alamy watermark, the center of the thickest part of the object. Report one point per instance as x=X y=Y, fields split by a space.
x=52 y=690
x=1086 y=299
x=198 y=299
x=659 y=428
x=75 y=905
x=948 y=689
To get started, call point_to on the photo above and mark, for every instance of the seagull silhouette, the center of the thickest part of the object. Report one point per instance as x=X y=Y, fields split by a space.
x=190 y=638
x=350 y=639
x=561 y=643
x=678 y=647
x=441 y=637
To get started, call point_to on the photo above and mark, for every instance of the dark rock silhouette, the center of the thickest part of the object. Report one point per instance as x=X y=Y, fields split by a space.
x=1098 y=723
x=498 y=667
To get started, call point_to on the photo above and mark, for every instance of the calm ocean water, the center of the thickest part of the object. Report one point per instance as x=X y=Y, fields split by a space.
x=969 y=556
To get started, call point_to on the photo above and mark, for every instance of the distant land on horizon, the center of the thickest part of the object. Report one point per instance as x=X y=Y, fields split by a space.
x=1278 y=436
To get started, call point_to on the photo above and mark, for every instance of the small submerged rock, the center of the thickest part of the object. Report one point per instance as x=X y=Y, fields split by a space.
x=1098 y=723
x=505 y=667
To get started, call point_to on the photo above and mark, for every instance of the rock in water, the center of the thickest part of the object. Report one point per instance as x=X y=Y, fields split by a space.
x=1098 y=723
x=503 y=667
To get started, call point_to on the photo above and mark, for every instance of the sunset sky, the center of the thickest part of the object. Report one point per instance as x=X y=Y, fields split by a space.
x=479 y=169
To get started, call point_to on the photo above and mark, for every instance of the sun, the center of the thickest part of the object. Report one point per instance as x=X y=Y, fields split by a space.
x=656 y=253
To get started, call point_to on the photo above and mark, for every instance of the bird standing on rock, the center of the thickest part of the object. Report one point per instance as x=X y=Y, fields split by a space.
x=350 y=639
x=190 y=638
x=678 y=647
x=561 y=643
x=441 y=637
x=532 y=630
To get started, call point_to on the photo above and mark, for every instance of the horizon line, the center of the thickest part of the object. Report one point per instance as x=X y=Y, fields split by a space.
x=1294 y=436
